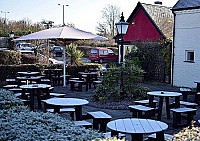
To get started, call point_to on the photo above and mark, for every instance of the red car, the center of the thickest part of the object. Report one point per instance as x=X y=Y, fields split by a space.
x=102 y=54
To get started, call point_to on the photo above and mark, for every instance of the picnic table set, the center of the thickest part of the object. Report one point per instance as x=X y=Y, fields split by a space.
x=33 y=85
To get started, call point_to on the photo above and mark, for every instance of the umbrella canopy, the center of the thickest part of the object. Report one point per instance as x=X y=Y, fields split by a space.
x=61 y=33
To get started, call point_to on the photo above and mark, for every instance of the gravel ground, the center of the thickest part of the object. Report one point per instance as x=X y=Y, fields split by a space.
x=117 y=113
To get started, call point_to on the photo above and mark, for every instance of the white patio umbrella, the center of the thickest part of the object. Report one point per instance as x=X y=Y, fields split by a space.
x=64 y=32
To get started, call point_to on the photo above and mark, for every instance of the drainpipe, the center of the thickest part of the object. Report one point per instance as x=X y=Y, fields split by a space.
x=172 y=65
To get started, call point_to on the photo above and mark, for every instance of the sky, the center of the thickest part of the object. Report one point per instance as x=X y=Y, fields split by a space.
x=85 y=14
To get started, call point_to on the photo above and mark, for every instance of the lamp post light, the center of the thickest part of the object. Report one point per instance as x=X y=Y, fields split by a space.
x=63 y=13
x=122 y=28
x=11 y=34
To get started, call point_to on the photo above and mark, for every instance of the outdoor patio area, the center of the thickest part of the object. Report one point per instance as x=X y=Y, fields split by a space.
x=46 y=93
x=117 y=112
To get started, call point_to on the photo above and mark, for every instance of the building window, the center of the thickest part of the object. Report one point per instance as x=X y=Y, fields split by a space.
x=189 y=55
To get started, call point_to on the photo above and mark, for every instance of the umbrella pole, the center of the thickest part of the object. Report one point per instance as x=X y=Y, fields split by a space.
x=48 y=51
x=64 y=67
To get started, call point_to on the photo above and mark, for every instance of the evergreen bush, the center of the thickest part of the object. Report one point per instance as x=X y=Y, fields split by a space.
x=120 y=82
x=19 y=123
x=10 y=57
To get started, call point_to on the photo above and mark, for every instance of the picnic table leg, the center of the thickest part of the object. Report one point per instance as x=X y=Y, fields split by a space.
x=137 y=137
x=198 y=87
x=56 y=109
x=38 y=91
x=95 y=124
x=177 y=102
x=189 y=118
x=167 y=107
x=103 y=125
x=160 y=136
x=151 y=97
x=23 y=94
x=184 y=96
x=32 y=93
x=114 y=133
x=87 y=85
x=78 y=111
x=160 y=105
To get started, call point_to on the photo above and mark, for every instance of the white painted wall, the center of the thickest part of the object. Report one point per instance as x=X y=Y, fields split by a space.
x=187 y=37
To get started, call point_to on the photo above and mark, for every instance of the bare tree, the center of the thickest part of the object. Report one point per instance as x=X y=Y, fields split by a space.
x=101 y=29
x=110 y=16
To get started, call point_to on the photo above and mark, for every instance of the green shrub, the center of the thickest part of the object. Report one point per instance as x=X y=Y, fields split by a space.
x=8 y=100
x=19 y=123
x=74 y=54
x=29 y=59
x=120 y=82
x=10 y=57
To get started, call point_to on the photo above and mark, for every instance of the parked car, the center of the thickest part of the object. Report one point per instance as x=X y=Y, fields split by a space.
x=25 y=46
x=56 y=50
x=102 y=54
x=41 y=47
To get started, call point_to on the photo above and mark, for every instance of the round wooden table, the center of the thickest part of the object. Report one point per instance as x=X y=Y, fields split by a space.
x=58 y=103
x=29 y=78
x=137 y=127
x=35 y=89
x=166 y=95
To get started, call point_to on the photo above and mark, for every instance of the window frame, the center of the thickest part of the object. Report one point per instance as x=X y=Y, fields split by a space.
x=187 y=53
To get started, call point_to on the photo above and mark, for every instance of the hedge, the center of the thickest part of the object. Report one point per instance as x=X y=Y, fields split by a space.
x=10 y=71
x=10 y=57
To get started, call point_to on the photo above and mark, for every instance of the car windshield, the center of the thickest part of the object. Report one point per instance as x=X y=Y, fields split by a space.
x=94 y=51
x=27 y=45
x=111 y=52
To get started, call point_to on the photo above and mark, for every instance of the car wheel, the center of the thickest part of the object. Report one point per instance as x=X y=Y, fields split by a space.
x=100 y=61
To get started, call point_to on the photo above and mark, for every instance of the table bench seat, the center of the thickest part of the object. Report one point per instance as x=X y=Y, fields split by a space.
x=83 y=123
x=99 y=119
x=80 y=84
x=64 y=110
x=185 y=92
x=20 y=94
x=11 y=81
x=166 y=136
x=95 y=83
x=108 y=135
x=177 y=115
x=56 y=95
x=15 y=90
x=138 y=109
x=186 y=104
x=10 y=86
x=146 y=102
x=45 y=81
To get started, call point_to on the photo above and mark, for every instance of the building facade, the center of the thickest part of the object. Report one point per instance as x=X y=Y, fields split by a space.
x=186 y=43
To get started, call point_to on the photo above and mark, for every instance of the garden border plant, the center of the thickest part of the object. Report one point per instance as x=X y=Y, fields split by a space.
x=19 y=123
x=120 y=82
